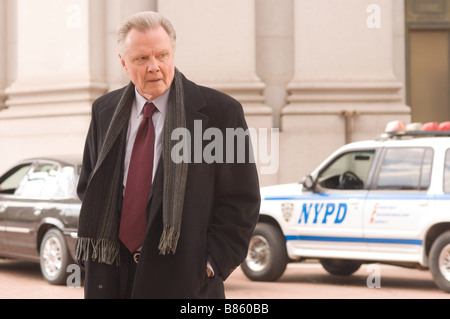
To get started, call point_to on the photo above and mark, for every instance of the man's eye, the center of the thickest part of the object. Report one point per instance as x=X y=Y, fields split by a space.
x=141 y=59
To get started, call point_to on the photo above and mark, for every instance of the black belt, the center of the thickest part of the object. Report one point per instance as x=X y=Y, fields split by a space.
x=136 y=256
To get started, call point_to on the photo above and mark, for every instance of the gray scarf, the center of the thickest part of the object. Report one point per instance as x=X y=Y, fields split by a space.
x=99 y=216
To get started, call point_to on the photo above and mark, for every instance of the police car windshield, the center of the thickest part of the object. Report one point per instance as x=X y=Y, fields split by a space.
x=348 y=171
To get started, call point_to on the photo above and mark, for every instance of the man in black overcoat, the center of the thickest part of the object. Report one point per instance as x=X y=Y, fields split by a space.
x=204 y=196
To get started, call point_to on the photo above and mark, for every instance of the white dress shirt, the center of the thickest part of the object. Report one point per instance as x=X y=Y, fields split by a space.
x=133 y=125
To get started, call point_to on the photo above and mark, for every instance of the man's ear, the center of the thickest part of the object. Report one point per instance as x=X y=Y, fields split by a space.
x=124 y=65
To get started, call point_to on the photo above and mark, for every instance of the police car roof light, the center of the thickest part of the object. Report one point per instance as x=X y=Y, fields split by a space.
x=444 y=126
x=395 y=126
x=398 y=129
x=430 y=126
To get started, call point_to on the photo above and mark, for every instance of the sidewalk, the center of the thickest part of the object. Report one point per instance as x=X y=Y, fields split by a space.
x=23 y=280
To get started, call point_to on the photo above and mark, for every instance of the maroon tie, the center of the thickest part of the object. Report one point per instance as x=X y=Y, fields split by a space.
x=133 y=222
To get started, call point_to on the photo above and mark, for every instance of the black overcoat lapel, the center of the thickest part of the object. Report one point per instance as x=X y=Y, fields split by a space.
x=118 y=124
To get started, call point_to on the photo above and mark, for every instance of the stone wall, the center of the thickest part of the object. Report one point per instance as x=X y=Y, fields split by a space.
x=321 y=73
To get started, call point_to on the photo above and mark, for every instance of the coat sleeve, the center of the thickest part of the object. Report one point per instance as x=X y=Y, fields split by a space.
x=103 y=110
x=89 y=155
x=236 y=199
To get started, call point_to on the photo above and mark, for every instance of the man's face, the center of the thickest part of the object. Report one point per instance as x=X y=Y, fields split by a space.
x=148 y=59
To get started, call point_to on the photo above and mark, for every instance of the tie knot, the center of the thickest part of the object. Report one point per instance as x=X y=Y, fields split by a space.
x=149 y=109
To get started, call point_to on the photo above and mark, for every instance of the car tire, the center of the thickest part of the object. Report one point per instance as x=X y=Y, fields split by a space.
x=440 y=261
x=340 y=267
x=54 y=257
x=267 y=256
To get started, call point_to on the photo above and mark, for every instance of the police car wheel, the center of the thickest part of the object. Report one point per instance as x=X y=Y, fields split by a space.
x=267 y=257
x=440 y=261
x=340 y=267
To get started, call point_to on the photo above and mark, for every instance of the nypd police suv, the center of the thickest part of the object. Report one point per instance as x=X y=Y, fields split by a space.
x=386 y=200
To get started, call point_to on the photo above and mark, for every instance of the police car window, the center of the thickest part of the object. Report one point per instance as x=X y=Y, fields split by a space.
x=348 y=171
x=425 y=177
x=406 y=169
x=447 y=172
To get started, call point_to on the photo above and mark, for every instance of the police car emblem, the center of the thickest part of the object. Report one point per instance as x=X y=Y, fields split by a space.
x=287 y=210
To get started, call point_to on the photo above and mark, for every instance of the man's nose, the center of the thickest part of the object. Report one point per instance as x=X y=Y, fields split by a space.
x=152 y=66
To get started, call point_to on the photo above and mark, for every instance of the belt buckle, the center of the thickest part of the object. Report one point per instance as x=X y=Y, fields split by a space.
x=136 y=257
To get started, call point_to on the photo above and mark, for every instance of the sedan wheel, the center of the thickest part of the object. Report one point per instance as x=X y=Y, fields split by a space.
x=54 y=257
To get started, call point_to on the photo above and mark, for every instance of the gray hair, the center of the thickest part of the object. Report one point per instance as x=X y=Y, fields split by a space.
x=144 y=21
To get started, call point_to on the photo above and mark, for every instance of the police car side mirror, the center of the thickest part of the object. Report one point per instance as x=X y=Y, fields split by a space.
x=308 y=182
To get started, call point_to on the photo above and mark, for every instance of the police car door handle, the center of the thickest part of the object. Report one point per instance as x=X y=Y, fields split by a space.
x=353 y=201
x=423 y=202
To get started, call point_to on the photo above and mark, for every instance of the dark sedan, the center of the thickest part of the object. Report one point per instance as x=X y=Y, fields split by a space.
x=39 y=212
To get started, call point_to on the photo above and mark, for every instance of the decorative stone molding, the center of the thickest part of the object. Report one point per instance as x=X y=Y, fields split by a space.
x=51 y=100
x=250 y=94
x=345 y=92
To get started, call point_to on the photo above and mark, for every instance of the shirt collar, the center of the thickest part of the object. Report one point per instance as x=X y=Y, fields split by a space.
x=160 y=102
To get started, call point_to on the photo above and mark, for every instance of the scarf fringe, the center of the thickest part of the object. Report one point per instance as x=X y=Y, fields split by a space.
x=169 y=240
x=103 y=250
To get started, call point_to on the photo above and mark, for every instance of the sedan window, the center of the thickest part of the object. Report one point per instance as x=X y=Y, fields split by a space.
x=65 y=183
x=11 y=180
x=41 y=182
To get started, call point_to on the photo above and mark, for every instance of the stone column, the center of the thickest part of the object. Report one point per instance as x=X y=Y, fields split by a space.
x=63 y=55
x=347 y=83
x=59 y=55
x=275 y=51
x=216 y=48
x=116 y=12
x=59 y=68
